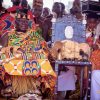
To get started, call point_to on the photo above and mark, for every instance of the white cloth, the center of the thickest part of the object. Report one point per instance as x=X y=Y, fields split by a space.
x=66 y=81
x=95 y=85
x=98 y=30
x=30 y=97
x=97 y=33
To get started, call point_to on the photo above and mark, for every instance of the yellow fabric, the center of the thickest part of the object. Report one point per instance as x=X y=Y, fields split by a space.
x=46 y=68
x=14 y=67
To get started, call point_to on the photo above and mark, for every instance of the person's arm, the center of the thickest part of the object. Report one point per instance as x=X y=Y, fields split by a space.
x=45 y=31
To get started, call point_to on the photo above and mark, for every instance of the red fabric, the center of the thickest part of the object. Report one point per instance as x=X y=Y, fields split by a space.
x=14 y=8
x=95 y=59
x=6 y=23
x=89 y=40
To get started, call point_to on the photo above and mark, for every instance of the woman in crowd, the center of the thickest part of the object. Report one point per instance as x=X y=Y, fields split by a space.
x=93 y=39
x=95 y=59
x=91 y=28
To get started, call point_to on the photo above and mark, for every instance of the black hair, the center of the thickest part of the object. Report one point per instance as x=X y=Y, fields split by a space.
x=92 y=15
x=62 y=6
x=15 y=2
x=1 y=1
x=58 y=8
x=24 y=2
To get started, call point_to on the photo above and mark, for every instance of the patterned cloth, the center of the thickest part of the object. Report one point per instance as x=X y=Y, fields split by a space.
x=30 y=97
x=58 y=32
x=95 y=59
x=33 y=58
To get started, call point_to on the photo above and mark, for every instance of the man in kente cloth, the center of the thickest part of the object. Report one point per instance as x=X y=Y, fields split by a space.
x=25 y=44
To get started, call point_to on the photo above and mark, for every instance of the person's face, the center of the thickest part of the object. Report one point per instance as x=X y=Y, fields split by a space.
x=56 y=8
x=21 y=25
x=37 y=11
x=45 y=12
x=91 y=23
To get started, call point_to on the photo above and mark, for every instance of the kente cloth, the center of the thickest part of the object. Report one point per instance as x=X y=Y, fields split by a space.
x=6 y=23
x=14 y=67
x=46 y=67
x=95 y=85
x=95 y=59
x=7 y=20
x=33 y=59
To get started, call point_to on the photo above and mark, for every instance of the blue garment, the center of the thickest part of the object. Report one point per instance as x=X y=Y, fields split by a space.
x=58 y=29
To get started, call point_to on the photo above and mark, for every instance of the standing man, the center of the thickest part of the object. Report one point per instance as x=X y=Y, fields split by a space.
x=46 y=24
x=42 y=19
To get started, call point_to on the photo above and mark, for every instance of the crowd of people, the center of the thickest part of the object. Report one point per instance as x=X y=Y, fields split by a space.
x=51 y=26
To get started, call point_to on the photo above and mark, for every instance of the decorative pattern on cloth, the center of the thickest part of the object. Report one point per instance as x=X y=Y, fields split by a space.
x=31 y=44
x=46 y=68
x=20 y=67
x=26 y=55
x=59 y=30
x=31 y=68
x=30 y=97
x=95 y=59
x=6 y=23
x=14 y=67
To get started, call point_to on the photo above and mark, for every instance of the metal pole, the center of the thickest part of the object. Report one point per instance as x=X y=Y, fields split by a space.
x=56 y=86
x=89 y=82
x=81 y=83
